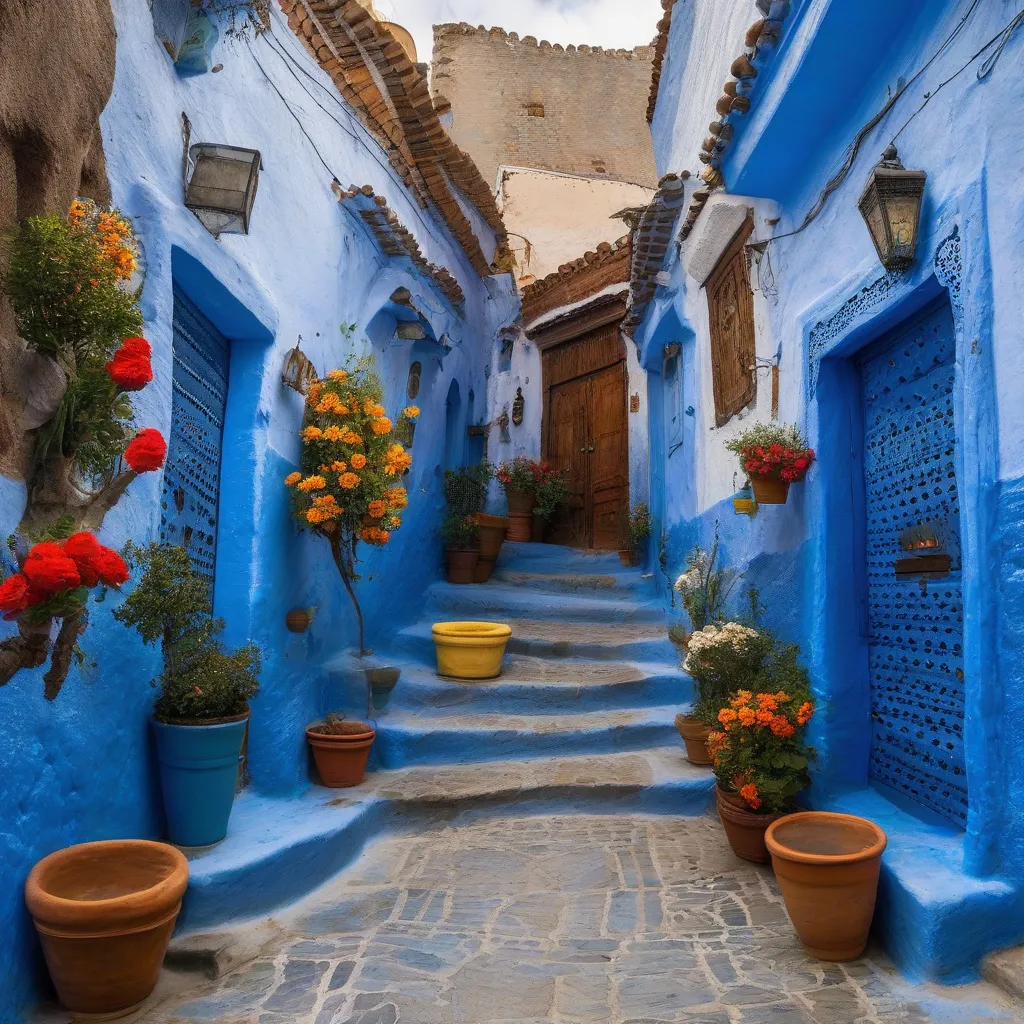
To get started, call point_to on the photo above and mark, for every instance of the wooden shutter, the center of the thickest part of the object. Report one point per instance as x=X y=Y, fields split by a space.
x=731 y=311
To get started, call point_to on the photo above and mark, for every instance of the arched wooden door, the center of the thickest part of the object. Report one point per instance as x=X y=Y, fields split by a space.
x=586 y=433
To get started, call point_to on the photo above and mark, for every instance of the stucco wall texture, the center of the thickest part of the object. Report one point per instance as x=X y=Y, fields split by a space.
x=594 y=103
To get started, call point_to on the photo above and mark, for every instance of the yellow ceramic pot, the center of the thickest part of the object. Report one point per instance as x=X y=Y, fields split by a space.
x=470 y=650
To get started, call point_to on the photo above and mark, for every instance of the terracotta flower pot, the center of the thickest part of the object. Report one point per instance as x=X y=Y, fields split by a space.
x=461 y=564
x=492 y=534
x=695 y=736
x=520 y=526
x=519 y=502
x=104 y=913
x=627 y=558
x=827 y=866
x=768 y=491
x=538 y=527
x=341 y=757
x=743 y=828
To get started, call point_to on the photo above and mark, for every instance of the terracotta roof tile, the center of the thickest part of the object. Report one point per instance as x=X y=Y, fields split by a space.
x=660 y=49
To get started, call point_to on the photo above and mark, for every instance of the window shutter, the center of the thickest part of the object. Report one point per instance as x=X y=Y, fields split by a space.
x=731 y=312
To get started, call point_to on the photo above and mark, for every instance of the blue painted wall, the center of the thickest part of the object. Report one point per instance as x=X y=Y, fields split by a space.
x=82 y=768
x=820 y=297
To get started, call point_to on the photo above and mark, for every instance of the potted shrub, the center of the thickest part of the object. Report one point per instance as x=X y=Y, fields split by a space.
x=638 y=529
x=760 y=759
x=201 y=715
x=341 y=749
x=461 y=547
x=518 y=480
x=550 y=497
x=773 y=455
x=465 y=490
x=827 y=866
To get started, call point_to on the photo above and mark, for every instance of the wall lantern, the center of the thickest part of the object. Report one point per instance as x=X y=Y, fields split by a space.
x=518 y=408
x=298 y=372
x=220 y=186
x=891 y=207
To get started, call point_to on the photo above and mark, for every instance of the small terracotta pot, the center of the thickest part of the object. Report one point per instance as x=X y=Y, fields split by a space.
x=538 y=527
x=520 y=526
x=627 y=558
x=743 y=828
x=483 y=570
x=492 y=531
x=768 y=491
x=461 y=563
x=695 y=736
x=827 y=866
x=104 y=913
x=519 y=502
x=341 y=759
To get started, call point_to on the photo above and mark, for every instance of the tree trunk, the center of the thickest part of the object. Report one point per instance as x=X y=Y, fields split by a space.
x=63 y=651
x=28 y=649
x=345 y=571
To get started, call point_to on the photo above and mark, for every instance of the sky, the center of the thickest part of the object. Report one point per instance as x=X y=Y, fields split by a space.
x=613 y=24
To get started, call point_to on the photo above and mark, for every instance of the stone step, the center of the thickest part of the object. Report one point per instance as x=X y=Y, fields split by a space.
x=609 y=586
x=543 y=638
x=544 y=686
x=555 y=558
x=1005 y=970
x=505 y=602
x=280 y=849
x=406 y=738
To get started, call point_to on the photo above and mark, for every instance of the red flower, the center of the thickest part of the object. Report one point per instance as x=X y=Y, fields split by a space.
x=96 y=563
x=146 y=451
x=131 y=369
x=14 y=594
x=49 y=570
x=111 y=568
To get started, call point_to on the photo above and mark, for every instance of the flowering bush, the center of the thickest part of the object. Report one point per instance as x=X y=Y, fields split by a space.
x=721 y=659
x=638 y=525
x=517 y=475
x=758 y=749
x=551 y=490
x=348 y=488
x=774 y=451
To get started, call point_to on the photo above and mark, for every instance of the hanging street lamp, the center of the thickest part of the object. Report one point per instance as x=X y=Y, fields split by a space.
x=891 y=207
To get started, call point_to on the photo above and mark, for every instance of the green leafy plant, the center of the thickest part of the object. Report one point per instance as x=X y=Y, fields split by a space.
x=552 y=491
x=638 y=526
x=705 y=587
x=517 y=475
x=465 y=489
x=171 y=606
x=460 y=532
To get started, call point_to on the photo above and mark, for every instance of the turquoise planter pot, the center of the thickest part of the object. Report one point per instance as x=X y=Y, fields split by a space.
x=198 y=775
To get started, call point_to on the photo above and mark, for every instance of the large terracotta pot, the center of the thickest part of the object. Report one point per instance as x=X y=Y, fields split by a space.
x=519 y=502
x=827 y=866
x=768 y=491
x=695 y=737
x=461 y=563
x=492 y=533
x=104 y=913
x=470 y=650
x=341 y=757
x=520 y=526
x=743 y=828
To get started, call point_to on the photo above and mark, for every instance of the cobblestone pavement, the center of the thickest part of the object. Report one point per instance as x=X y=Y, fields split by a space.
x=563 y=919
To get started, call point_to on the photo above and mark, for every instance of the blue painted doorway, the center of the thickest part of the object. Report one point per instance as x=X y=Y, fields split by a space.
x=912 y=507
x=191 y=492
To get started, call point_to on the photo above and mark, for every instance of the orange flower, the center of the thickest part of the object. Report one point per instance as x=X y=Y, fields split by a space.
x=727 y=715
x=766 y=702
x=316 y=389
x=338 y=466
x=338 y=375
x=715 y=742
x=394 y=522
x=411 y=412
x=747 y=716
x=315 y=515
x=377 y=508
x=742 y=697
x=312 y=483
x=351 y=437
x=325 y=500
x=781 y=727
x=381 y=426
x=396 y=498
x=358 y=461
x=804 y=713
x=333 y=433
x=765 y=717
x=348 y=481
x=77 y=212
x=749 y=793
x=312 y=434
x=292 y=479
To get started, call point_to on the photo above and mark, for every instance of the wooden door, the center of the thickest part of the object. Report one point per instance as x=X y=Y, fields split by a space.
x=608 y=457
x=567 y=435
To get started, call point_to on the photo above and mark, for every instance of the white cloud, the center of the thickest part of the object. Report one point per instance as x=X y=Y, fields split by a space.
x=608 y=23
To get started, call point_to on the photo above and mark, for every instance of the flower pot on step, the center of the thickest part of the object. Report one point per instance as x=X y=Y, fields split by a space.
x=104 y=913
x=492 y=532
x=470 y=650
x=827 y=866
x=538 y=527
x=768 y=491
x=743 y=828
x=520 y=526
x=484 y=569
x=695 y=737
x=461 y=564
x=519 y=502
x=627 y=558
x=340 y=755
x=198 y=776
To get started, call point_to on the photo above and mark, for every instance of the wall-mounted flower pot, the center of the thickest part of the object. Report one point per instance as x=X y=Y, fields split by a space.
x=342 y=753
x=827 y=866
x=743 y=828
x=768 y=491
x=104 y=913
x=695 y=738
x=470 y=650
x=744 y=506
x=461 y=563
x=198 y=776
x=382 y=682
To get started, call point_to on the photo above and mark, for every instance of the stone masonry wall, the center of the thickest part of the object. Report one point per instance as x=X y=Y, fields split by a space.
x=576 y=109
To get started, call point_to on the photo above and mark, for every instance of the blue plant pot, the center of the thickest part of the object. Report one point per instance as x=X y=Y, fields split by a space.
x=198 y=775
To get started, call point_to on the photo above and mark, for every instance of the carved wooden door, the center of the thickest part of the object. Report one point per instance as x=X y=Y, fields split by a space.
x=567 y=434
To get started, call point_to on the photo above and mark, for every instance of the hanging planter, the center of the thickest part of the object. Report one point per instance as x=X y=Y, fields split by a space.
x=773 y=455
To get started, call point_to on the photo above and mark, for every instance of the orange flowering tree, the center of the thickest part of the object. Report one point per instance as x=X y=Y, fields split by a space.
x=349 y=485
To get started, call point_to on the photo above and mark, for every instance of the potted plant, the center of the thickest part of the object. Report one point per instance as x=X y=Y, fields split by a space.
x=638 y=529
x=760 y=759
x=341 y=749
x=465 y=490
x=551 y=495
x=704 y=586
x=201 y=715
x=773 y=455
x=462 y=549
x=518 y=480
x=827 y=866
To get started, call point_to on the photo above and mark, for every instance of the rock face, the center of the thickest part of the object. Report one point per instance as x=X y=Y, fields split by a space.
x=56 y=74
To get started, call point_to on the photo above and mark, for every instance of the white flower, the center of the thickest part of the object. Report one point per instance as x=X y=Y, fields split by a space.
x=688 y=581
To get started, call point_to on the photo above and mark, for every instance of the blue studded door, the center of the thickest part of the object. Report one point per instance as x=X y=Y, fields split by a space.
x=191 y=495
x=915 y=621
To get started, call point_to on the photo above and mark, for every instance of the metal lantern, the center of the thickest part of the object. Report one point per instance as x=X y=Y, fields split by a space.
x=891 y=207
x=298 y=371
x=221 y=186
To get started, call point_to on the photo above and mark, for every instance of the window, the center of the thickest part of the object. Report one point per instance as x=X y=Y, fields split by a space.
x=731 y=314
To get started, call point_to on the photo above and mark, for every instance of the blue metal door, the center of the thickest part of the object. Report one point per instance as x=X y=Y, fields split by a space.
x=915 y=623
x=191 y=496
